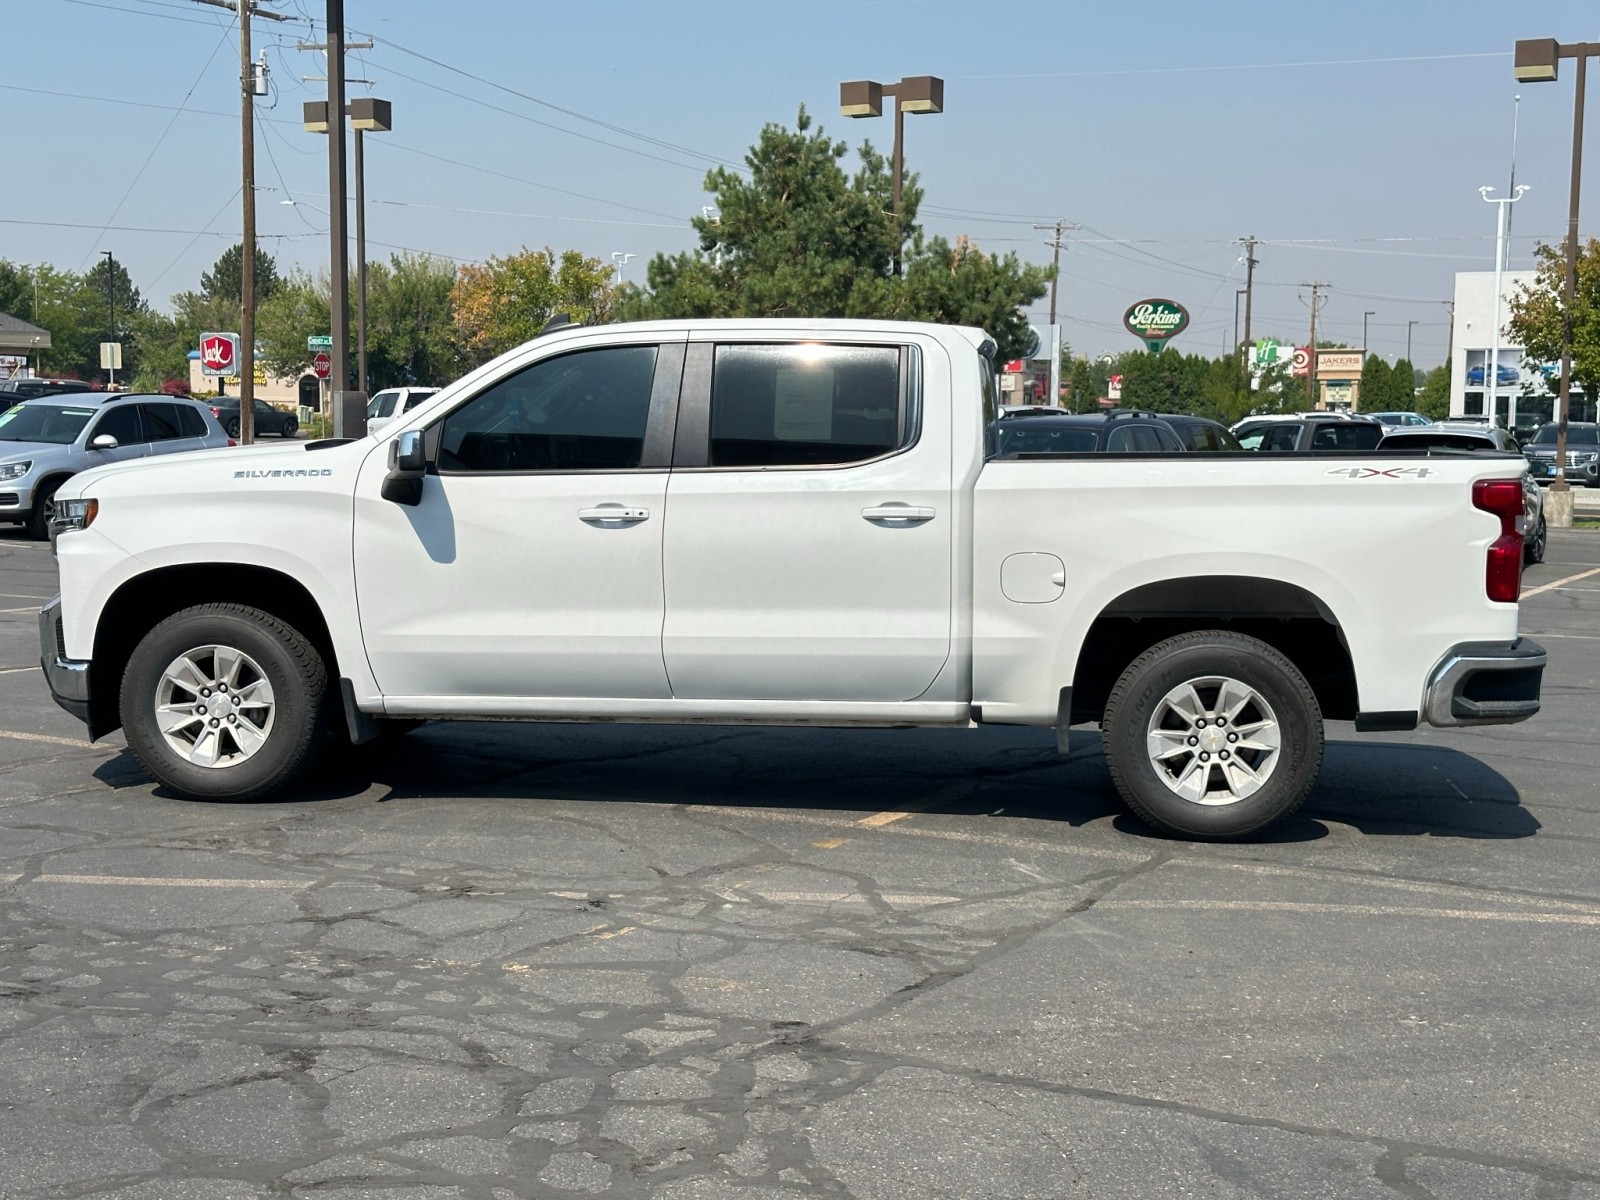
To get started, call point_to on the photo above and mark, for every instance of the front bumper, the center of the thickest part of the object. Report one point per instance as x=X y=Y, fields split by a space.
x=1485 y=683
x=68 y=678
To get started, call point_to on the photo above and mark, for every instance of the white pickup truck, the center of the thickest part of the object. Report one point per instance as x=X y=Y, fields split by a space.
x=785 y=523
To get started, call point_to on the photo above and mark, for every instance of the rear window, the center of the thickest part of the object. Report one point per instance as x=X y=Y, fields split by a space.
x=1012 y=440
x=1436 y=441
x=1352 y=436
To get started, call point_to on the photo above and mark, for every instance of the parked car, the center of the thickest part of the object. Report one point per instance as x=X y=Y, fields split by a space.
x=1403 y=419
x=1467 y=438
x=1112 y=431
x=267 y=419
x=1298 y=434
x=391 y=403
x=1583 y=453
x=45 y=441
x=14 y=389
x=1240 y=428
x=1503 y=375
x=1200 y=433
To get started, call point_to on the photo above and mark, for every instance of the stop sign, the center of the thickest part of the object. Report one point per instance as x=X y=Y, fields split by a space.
x=322 y=365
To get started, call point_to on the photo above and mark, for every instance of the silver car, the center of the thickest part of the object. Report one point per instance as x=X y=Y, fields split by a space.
x=46 y=441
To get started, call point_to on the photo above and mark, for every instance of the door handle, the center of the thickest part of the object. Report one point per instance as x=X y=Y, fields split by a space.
x=613 y=514
x=906 y=513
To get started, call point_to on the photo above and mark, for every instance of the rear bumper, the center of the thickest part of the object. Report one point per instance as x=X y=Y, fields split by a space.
x=1485 y=683
x=68 y=678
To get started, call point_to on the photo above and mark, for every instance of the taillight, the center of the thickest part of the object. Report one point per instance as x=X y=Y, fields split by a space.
x=215 y=411
x=1503 y=572
x=231 y=442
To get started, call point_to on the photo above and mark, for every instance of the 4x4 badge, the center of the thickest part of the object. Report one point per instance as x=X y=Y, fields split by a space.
x=1386 y=473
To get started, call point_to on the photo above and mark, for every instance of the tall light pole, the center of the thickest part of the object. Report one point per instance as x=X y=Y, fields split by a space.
x=913 y=94
x=621 y=259
x=1538 y=60
x=111 y=308
x=1491 y=376
x=1371 y=312
x=1409 y=324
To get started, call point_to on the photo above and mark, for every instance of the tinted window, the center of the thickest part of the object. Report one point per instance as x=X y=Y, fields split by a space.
x=804 y=405
x=51 y=423
x=1042 y=438
x=190 y=422
x=1166 y=440
x=1136 y=439
x=121 y=423
x=160 y=422
x=1577 y=435
x=1281 y=437
x=580 y=412
x=1355 y=435
x=416 y=398
x=382 y=405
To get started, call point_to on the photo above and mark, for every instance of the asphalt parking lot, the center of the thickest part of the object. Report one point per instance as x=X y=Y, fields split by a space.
x=546 y=961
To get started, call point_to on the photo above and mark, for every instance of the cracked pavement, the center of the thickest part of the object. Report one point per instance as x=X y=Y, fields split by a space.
x=494 y=961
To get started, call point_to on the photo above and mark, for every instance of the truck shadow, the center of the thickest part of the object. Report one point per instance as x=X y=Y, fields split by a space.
x=1384 y=789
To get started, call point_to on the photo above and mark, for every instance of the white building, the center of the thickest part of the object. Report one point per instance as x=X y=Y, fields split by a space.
x=1524 y=393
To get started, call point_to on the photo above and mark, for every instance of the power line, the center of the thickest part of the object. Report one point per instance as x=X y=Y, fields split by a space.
x=137 y=175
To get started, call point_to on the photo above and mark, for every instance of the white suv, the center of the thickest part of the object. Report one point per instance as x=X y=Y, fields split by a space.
x=390 y=403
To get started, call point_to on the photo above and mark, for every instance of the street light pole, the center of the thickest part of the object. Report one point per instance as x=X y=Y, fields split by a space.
x=1538 y=60
x=1371 y=312
x=1409 y=324
x=913 y=94
x=111 y=307
x=1491 y=376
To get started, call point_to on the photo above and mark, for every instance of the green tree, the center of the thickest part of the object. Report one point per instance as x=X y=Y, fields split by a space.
x=411 y=336
x=1402 y=386
x=1377 y=386
x=1538 y=309
x=225 y=280
x=297 y=310
x=506 y=301
x=801 y=238
x=1433 y=401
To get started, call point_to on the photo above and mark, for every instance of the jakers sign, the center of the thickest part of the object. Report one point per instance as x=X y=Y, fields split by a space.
x=1154 y=321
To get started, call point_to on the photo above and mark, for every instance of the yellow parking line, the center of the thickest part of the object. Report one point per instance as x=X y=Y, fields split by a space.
x=879 y=820
x=75 y=743
x=1569 y=579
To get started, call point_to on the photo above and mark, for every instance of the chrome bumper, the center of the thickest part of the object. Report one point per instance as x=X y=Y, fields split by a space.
x=68 y=678
x=1485 y=683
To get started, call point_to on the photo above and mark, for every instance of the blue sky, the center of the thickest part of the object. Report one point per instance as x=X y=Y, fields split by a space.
x=1352 y=139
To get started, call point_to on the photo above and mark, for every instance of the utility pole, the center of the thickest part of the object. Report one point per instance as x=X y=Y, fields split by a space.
x=1249 y=292
x=247 y=247
x=1055 y=230
x=1316 y=289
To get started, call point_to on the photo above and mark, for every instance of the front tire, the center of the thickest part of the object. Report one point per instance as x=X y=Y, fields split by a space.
x=1212 y=735
x=290 y=427
x=224 y=702
x=44 y=511
x=232 y=429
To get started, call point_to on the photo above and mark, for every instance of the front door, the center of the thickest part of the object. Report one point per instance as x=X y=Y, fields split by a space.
x=810 y=523
x=532 y=566
x=121 y=422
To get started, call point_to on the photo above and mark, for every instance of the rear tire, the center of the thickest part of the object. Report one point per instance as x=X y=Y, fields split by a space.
x=1212 y=735
x=224 y=702
x=232 y=429
x=1533 y=552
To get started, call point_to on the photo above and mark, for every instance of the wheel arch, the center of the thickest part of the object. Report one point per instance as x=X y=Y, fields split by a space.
x=147 y=599
x=1286 y=616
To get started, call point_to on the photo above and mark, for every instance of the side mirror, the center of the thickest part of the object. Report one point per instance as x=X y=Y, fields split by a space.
x=408 y=464
x=104 y=442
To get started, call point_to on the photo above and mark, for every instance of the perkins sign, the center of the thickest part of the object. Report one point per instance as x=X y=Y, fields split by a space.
x=1154 y=321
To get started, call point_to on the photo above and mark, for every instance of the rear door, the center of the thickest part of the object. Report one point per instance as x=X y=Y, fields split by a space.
x=809 y=522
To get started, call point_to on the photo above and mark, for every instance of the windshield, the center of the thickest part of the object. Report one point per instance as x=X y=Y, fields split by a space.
x=43 y=423
x=1043 y=439
x=1577 y=435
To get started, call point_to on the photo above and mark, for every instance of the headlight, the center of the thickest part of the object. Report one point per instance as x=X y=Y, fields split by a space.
x=74 y=514
x=15 y=470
